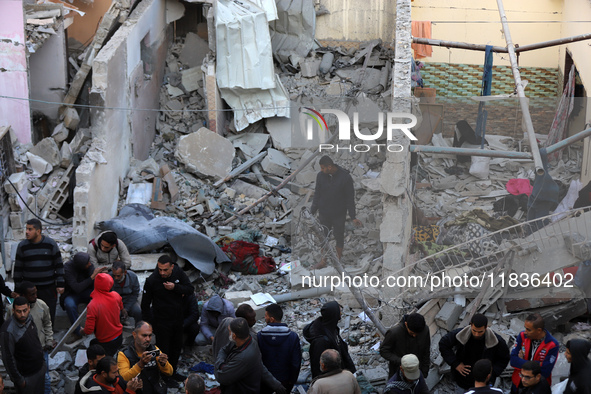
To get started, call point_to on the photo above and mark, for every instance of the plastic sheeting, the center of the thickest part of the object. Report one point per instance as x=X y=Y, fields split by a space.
x=141 y=232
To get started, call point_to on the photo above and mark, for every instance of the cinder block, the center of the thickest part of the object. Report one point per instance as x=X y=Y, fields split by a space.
x=238 y=297
x=71 y=118
x=448 y=315
x=17 y=220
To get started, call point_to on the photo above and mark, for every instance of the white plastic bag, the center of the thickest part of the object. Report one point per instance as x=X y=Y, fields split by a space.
x=558 y=388
x=479 y=167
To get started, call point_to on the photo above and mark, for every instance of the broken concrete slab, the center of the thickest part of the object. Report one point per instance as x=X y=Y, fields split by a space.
x=448 y=315
x=194 y=50
x=276 y=163
x=238 y=297
x=81 y=137
x=292 y=34
x=310 y=67
x=60 y=133
x=250 y=144
x=206 y=153
x=173 y=91
x=66 y=153
x=71 y=118
x=39 y=165
x=48 y=150
x=19 y=182
x=190 y=78
x=59 y=361
x=248 y=190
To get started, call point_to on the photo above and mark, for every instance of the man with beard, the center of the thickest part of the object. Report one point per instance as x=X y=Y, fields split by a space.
x=107 y=380
x=162 y=305
x=22 y=353
x=461 y=348
x=323 y=333
x=38 y=260
x=79 y=274
x=144 y=360
x=127 y=285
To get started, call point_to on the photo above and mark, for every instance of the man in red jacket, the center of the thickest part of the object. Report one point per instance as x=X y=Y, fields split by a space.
x=103 y=315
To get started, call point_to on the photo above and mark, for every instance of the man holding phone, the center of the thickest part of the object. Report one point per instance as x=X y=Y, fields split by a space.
x=145 y=360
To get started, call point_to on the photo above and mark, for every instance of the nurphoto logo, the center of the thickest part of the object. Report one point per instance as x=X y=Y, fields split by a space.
x=394 y=121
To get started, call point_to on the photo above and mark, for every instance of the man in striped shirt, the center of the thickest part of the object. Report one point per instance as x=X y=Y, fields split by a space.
x=38 y=260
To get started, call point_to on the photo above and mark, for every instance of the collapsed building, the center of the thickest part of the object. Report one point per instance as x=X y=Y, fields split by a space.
x=197 y=110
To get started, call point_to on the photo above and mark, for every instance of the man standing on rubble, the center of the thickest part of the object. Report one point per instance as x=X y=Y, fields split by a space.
x=38 y=260
x=410 y=336
x=334 y=196
x=534 y=343
x=461 y=348
x=105 y=249
x=162 y=305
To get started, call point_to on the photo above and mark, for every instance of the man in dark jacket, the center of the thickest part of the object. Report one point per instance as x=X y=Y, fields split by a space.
x=462 y=347
x=238 y=367
x=334 y=196
x=79 y=274
x=408 y=379
x=22 y=353
x=579 y=377
x=532 y=381
x=409 y=336
x=323 y=333
x=162 y=305
x=482 y=372
x=280 y=349
x=107 y=380
x=190 y=319
x=94 y=354
x=127 y=285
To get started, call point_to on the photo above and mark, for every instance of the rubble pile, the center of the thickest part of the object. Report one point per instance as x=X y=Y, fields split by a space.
x=41 y=24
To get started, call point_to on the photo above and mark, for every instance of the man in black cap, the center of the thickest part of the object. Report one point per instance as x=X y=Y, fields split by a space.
x=323 y=333
x=79 y=274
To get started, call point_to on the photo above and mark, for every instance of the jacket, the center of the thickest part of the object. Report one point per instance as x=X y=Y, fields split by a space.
x=335 y=382
x=77 y=277
x=89 y=385
x=165 y=304
x=579 y=377
x=484 y=390
x=546 y=354
x=100 y=258
x=22 y=353
x=190 y=310
x=281 y=352
x=419 y=386
x=82 y=372
x=209 y=323
x=40 y=263
x=239 y=369
x=104 y=310
x=455 y=346
x=334 y=195
x=322 y=334
x=398 y=343
x=543 y=387
x=129 y=290
x=151 y=374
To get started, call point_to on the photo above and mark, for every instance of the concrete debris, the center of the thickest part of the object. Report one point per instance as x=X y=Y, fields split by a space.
x=192 y=79
x=71 y=118
x=206 y=153
x=39 y=165
x=60 y=133
x=48 y=150
x=292 y=34
x=276 y=163
x=194 y=50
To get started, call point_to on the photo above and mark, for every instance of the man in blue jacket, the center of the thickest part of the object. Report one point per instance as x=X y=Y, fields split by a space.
x=334 y=196
x=280 y=349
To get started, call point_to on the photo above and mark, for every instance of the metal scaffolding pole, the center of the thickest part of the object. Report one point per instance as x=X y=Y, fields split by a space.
x=520 y=93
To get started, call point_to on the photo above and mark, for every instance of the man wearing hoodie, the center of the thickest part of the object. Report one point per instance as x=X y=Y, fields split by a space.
x=107 y=380
x=79 y=274
x=105 y=249
x=334 y=196
x=409 y=336
x=214 y=311
x=323 y=333
x=579 y=377
x=280 y=349
x=461 y=348
x=94 y=354
x=103 y=315
x=162 y=306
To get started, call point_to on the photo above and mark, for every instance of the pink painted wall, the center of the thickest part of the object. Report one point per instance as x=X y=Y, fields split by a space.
x=13 y=70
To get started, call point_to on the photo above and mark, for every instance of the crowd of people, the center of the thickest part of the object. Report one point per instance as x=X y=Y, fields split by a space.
x=246 y=361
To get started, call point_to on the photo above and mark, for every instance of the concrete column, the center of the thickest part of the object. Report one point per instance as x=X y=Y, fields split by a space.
x=395 y=229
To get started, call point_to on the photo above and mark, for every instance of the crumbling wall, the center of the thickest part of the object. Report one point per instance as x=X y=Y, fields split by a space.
x=356 y=21
x=13 y=75
x=119 y=85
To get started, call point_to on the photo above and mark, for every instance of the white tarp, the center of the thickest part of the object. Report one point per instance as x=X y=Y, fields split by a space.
x=243 y=46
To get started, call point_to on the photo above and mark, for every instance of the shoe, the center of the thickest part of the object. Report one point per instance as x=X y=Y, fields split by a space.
x=74 y=337
x=171 y=383
x=178 y=377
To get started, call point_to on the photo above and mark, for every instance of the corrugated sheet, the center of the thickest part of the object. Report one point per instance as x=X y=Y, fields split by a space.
x=243 y=45
x=252 y=105
x=269 y=7
x=293 y=31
